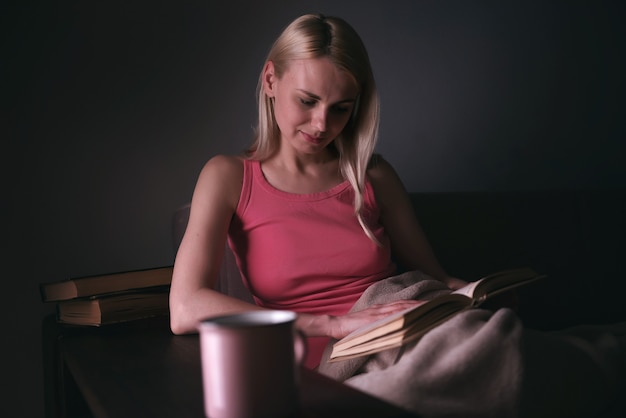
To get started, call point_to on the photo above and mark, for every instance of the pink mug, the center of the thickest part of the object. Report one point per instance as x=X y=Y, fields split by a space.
x=250 y=364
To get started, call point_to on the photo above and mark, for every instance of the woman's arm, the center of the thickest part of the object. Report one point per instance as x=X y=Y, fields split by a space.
x=408 y=241
x=201 y=250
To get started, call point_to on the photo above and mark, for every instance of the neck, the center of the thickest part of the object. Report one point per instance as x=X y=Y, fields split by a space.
x=302 y=174
x=298 y=163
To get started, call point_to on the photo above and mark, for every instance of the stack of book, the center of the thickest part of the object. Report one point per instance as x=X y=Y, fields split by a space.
x=110 y=298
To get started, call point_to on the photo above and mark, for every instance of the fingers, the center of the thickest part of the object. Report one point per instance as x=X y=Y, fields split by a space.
x=454 y=283
x=343 y=325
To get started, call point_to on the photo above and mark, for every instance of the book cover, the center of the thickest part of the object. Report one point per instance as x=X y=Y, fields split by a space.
x=80 y=287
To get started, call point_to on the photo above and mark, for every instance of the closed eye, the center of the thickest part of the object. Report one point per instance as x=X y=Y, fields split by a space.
x=340 y=109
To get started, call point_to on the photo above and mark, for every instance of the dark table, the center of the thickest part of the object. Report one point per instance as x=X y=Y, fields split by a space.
x=141 y=369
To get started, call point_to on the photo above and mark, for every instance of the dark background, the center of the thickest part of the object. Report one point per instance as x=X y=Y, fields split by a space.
x=110 y=109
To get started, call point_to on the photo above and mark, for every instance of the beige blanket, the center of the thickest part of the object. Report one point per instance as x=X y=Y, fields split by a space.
x=486 y=364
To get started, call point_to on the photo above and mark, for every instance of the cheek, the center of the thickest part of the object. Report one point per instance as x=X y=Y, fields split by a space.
x=287 y=115
x=338 y=123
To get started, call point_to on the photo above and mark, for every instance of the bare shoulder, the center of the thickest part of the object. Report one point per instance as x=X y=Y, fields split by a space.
x=388 y=188
x=381 y=173
x=226 y=164
x=221 y=177
x=223 y=168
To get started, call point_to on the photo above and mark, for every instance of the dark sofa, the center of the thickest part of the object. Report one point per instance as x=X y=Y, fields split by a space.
x=577 y=238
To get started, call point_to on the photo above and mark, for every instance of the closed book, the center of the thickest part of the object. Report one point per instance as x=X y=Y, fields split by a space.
x=86 y=286
x=114 y=307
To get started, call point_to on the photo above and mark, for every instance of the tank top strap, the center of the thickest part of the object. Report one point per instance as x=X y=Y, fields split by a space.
x=246 y=187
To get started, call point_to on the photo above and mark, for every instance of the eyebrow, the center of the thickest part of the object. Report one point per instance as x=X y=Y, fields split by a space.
x=316 y=97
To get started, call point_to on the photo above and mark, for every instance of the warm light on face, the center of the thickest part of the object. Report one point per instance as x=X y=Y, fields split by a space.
x=313 y=102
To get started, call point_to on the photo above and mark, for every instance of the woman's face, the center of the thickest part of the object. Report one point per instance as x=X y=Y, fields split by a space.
x=313 y=101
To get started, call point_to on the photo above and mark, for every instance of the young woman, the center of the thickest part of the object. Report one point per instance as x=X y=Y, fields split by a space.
x=310 y=214
x=313 y=217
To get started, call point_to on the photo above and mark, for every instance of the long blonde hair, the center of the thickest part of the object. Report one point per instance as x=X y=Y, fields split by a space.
x=315 y=36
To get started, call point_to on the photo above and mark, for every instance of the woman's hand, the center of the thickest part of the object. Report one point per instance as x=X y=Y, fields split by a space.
x=340 y=326
x=454 y=283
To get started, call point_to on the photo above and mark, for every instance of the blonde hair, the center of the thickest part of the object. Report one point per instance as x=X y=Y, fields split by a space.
x=316 y=36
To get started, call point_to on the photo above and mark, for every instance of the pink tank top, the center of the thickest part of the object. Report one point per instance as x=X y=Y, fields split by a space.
x=306 y=252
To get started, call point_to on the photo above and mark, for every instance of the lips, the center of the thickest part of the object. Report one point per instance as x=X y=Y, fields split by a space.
x=312 y=139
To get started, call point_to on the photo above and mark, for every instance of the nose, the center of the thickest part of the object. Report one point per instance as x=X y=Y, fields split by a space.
x=319 y=119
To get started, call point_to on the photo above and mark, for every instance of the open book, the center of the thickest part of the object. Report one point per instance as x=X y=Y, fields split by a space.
x=411 y=324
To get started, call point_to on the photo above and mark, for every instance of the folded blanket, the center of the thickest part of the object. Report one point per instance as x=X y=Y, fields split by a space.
x=486 y=364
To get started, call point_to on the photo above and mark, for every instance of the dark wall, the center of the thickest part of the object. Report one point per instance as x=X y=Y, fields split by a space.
x=111 y=108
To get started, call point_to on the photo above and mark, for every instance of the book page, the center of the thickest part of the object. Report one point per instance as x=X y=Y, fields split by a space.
x=468 y=290
x=504 y=281
x=497 y=283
